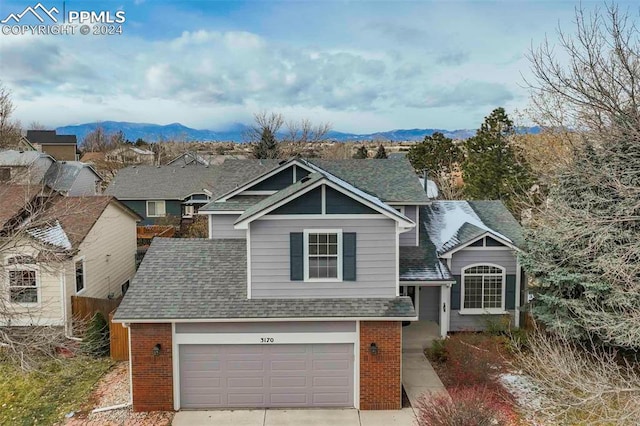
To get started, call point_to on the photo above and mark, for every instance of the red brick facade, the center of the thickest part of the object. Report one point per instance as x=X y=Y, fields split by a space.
x=380 y=387
x=152 y=374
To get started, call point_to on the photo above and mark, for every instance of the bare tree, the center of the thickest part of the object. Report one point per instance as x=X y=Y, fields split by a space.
x=598 y=90
x=579 y=384
x=98 y=141
x=9 y=128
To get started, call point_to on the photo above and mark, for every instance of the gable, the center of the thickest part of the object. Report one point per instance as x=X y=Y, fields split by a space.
x=309 y=203
x=335 y=202
x=339 y=203
x=276 y=182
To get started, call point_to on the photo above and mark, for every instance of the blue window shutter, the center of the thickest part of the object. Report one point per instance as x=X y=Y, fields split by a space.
x=455 y=293
x=349 y=256
x=510 y=293
x=296 y=253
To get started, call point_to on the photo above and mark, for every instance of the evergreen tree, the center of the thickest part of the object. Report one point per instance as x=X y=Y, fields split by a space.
x=436 y=154
x=585 y=250
x=361 y=153
x=491 y=169
x=267 y=146
x=381 y=153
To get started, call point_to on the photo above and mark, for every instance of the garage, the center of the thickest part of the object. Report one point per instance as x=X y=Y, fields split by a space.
x=279 y=375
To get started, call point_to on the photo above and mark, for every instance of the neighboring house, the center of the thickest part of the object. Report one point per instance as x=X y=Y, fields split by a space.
x=298 y=297
x=68 y=246
x=161 y=193
x=60 y=147
x=189 y=158
x=130 y=155
x=71 y=178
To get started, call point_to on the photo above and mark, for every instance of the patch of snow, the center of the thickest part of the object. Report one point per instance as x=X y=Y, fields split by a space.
x=437 y=273
x=53 y=235
x=446 y=219
x=526 y=393
x=432 y=188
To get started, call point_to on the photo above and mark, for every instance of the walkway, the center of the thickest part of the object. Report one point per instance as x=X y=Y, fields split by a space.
x=306 y=417
x=418 y=376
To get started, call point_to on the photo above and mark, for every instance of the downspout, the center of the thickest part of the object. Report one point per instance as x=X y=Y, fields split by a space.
x=65 y=318
x=425 y=175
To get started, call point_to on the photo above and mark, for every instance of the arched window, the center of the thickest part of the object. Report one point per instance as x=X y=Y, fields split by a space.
x=23 y=279
x=483 y=288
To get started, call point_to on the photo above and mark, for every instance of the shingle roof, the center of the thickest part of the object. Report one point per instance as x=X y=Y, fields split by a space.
x=450 y=224
x=391 y=180
x=161 y=182
x=206 y=279
x=237 y=203
x=234 y=173
x=49 y=137
x=422 y=263
x=14 y=199
x=62 y=174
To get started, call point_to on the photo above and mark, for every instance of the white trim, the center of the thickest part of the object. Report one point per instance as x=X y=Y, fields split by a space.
x=416 y=292
x=448 y=254
x=164 y=208
x=324 y=181
x=305 y=241
x=427 y=283
x=265 y=176
x=401 y=208
x=150 y=199
x=356 y=368
x=64 y=302
x=263 y=192
x=261 y=338
x=189 y=211
x=295 y=170
x=397 y=249
x=84 y=275
x=212 y=212
x=445 y=309
x=417 y=226
x=518 y=285
x=323 y=200
x=248 y=261
x=175 y=355
x=130 y=363
x=262 y=319
x=322 y=216
x=408 y=203
x=35 y=267
x=210 y=227
x=482 y=311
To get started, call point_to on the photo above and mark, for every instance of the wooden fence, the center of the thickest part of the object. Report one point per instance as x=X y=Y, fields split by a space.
x=84 y=308
x=119 y=337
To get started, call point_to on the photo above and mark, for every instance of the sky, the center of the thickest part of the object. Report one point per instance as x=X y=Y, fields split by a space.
x=363 y=66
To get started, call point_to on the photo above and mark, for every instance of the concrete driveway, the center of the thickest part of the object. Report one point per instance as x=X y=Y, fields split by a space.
x=312 y=417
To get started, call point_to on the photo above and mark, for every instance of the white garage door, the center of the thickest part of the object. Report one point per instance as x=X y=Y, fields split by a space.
x=310 y=375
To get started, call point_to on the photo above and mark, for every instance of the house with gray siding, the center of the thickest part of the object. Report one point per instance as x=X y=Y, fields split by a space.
x=299 y=295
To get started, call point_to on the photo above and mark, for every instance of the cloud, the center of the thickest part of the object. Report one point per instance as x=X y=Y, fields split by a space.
x=469 y=93
x=453 y=58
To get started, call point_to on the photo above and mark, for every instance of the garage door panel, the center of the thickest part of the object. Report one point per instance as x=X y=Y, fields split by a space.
x=266 y=375
x=338 y=381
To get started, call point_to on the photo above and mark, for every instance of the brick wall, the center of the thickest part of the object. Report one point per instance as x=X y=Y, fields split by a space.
x=152 y=374
x=380 y=387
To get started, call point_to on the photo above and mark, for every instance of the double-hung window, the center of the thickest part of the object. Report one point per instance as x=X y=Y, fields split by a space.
x=323 y=255
x=23 y=280
x=156 y=208
x=483 y=289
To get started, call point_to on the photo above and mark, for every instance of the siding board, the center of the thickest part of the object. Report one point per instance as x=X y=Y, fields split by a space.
x=375 y=262
x=222 y=227
x=409 y=238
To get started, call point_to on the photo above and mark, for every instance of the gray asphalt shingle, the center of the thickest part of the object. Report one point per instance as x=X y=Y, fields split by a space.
x=206 y=279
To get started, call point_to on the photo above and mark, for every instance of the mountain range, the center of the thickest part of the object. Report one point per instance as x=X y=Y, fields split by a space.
x=236 y=132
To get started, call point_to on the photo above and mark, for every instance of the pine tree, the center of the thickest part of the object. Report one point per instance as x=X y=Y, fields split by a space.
x=381 y=153
x=361 y=153
x=436 y=154
x=585 y=250
x=491 y=169
x=267 y=146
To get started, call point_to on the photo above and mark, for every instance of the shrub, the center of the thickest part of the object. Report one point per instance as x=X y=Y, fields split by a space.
x=437 y=352
x=469 y=406
x=96 y=338
x=472 y=359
